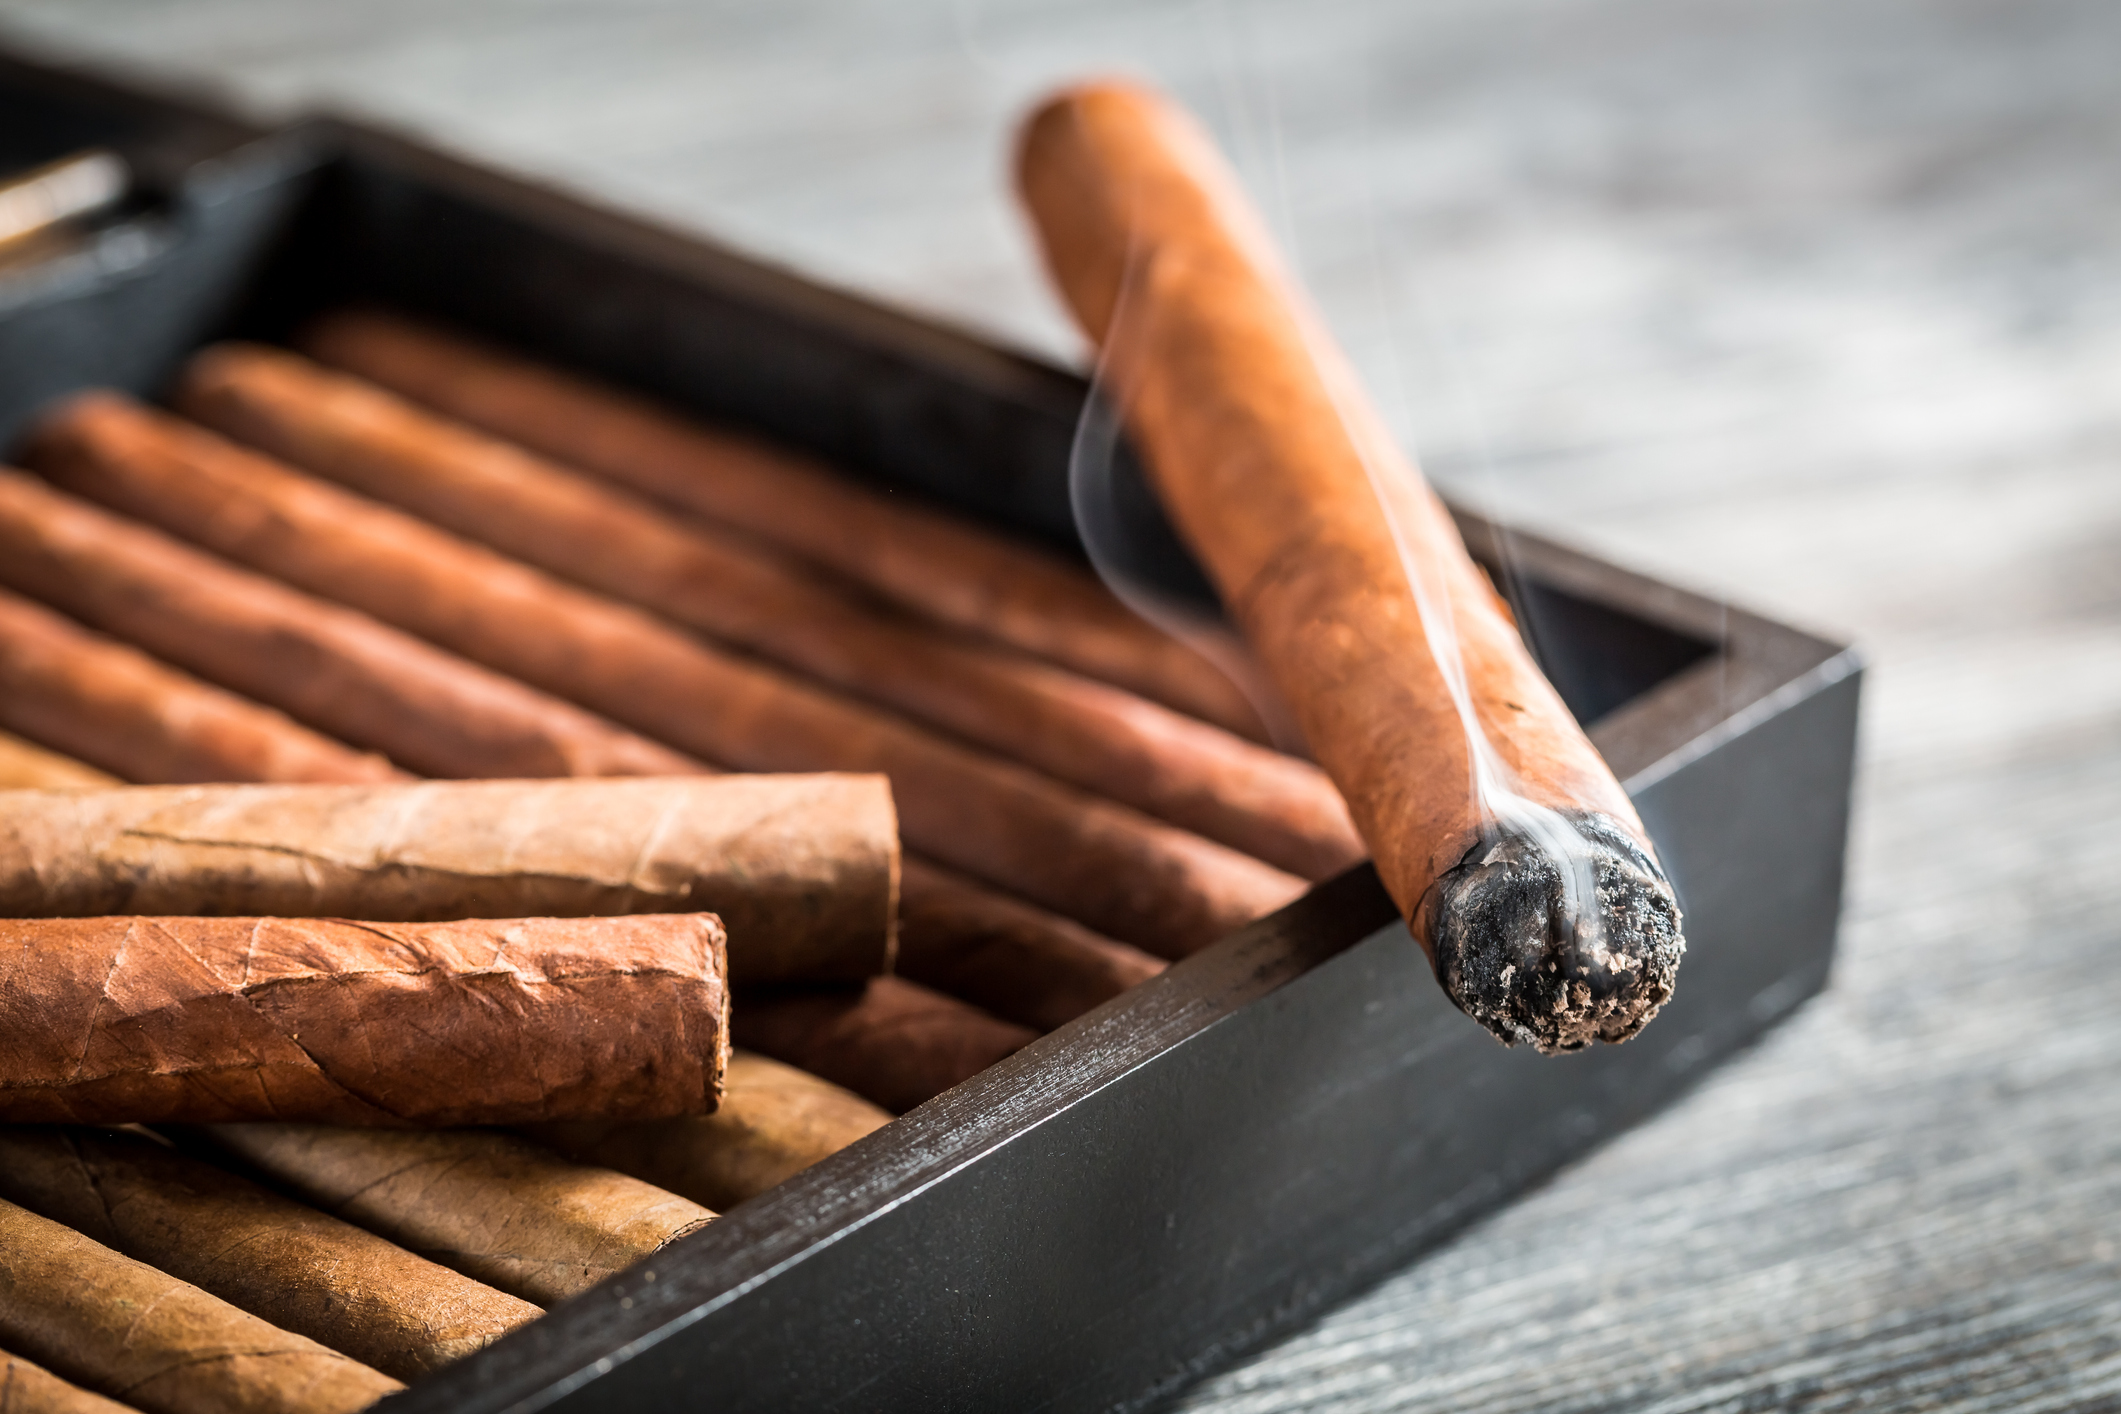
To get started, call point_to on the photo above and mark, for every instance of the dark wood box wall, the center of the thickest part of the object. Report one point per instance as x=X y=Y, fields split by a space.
x=1202 y=1163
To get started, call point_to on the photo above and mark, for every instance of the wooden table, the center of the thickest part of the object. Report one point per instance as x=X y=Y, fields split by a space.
x=1814 y=301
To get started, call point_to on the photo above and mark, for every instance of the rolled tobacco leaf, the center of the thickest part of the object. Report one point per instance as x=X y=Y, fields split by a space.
x=509 y=1021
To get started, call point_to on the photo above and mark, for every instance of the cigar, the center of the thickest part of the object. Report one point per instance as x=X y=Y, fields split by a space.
x=497 y=1208
x=928 y=563
x=802 y=870
x=1513 y=852
x=31 y=1389
x=1019 y=962
x=26 y=766
x=126 y=1330
x=114 y=706
x=892 y=1041
x=774 y=1121
x=333 y=668
x=510 y=1021
x=1104 y=739
x=1126 y=875
x=273 y=1257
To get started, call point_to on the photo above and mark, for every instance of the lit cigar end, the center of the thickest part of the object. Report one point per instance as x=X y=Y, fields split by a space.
x=1511 y=952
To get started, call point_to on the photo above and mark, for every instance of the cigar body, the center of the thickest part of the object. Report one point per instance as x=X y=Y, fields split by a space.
x=26 y=766
x=327 y=665
x=801 y=869
x=1016 y=961
x=499 y=1209
x=121 y=1327
x=273 y=1257
x=113 y=1020
x=894 y=1042
x=1351 y=584
x=1124 y=874
x=1271 y=806
x=26 y=1388
x=774 y=1121
x=929 y=563
x=118 y=708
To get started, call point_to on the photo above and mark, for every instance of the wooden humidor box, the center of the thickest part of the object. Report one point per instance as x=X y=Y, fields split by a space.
x=1199 y=1165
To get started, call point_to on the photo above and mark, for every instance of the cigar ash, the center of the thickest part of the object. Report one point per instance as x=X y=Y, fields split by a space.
x=1511 y=953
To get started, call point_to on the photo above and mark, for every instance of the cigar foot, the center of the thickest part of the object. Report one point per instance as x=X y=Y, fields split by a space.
x=1509 y=954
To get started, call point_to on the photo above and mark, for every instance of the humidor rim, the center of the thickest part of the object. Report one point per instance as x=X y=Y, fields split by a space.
x=1200 y=1165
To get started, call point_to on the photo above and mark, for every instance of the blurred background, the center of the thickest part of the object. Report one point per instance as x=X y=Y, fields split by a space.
x=1814 y=303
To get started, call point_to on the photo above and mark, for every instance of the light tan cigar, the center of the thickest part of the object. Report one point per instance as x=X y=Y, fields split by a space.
x=495 y=1207
x=120 y=709
x=27 y=766
x=893 y=1041
x=1135 y=878
x=126 y=1330
x=1326 y=546
x=500 y=1021
x=927 y=562
x=1015 y=960
x=774 y=1122
x=329 y=666
x=275 y=1258
x=802 y=870
x=31 y=1389
x=1107 y=740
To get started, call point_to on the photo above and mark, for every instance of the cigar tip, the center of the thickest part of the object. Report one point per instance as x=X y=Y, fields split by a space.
x=1512 y=956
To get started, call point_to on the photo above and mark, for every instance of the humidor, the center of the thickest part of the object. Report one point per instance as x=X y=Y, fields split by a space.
x=1207 y=1161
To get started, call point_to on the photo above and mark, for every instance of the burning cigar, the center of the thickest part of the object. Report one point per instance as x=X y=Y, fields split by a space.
x=893 y=1041
x=802 y=870
x=1021 y=963
x=332 y=667
x=159 y=1344
x=273 y=1257
x=31 y=1389
x=1271 y=806
x=27 y=766
x=113 y=1020
x=927 y=563
x=774 y=1122
x=497 y=1208
x=1129 y=876
x=1515 y=855
x=117 y=707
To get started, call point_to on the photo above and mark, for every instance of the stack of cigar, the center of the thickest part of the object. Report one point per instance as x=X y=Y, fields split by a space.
x=400 y=1061
x=395 y=554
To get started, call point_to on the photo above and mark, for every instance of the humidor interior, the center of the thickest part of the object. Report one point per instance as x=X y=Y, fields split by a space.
x=1203 y=1162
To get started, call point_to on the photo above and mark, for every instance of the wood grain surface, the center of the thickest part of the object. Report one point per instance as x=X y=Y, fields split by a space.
x=1817 y=302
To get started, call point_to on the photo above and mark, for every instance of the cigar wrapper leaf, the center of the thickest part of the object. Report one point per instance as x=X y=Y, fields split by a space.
x=509 y=1021
x=801 y=869
x=1351 y=584
x=151 y=1341
x=28 y=1388
x=279 y=1260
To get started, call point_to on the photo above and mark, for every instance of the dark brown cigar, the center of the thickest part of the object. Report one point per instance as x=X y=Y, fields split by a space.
x=893 y=1041
x=1019 y=962
x=1514 y=853
x=774 y=1121
x=802 y=870
x=927 y=562
x=497 y=1208
x=116 y=707
x=329 y=666
x=1135 y=878
x=271 y=1256
x=1271 y=806
x=504 y=1021
x=31 y=1389
x=122 y=1328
